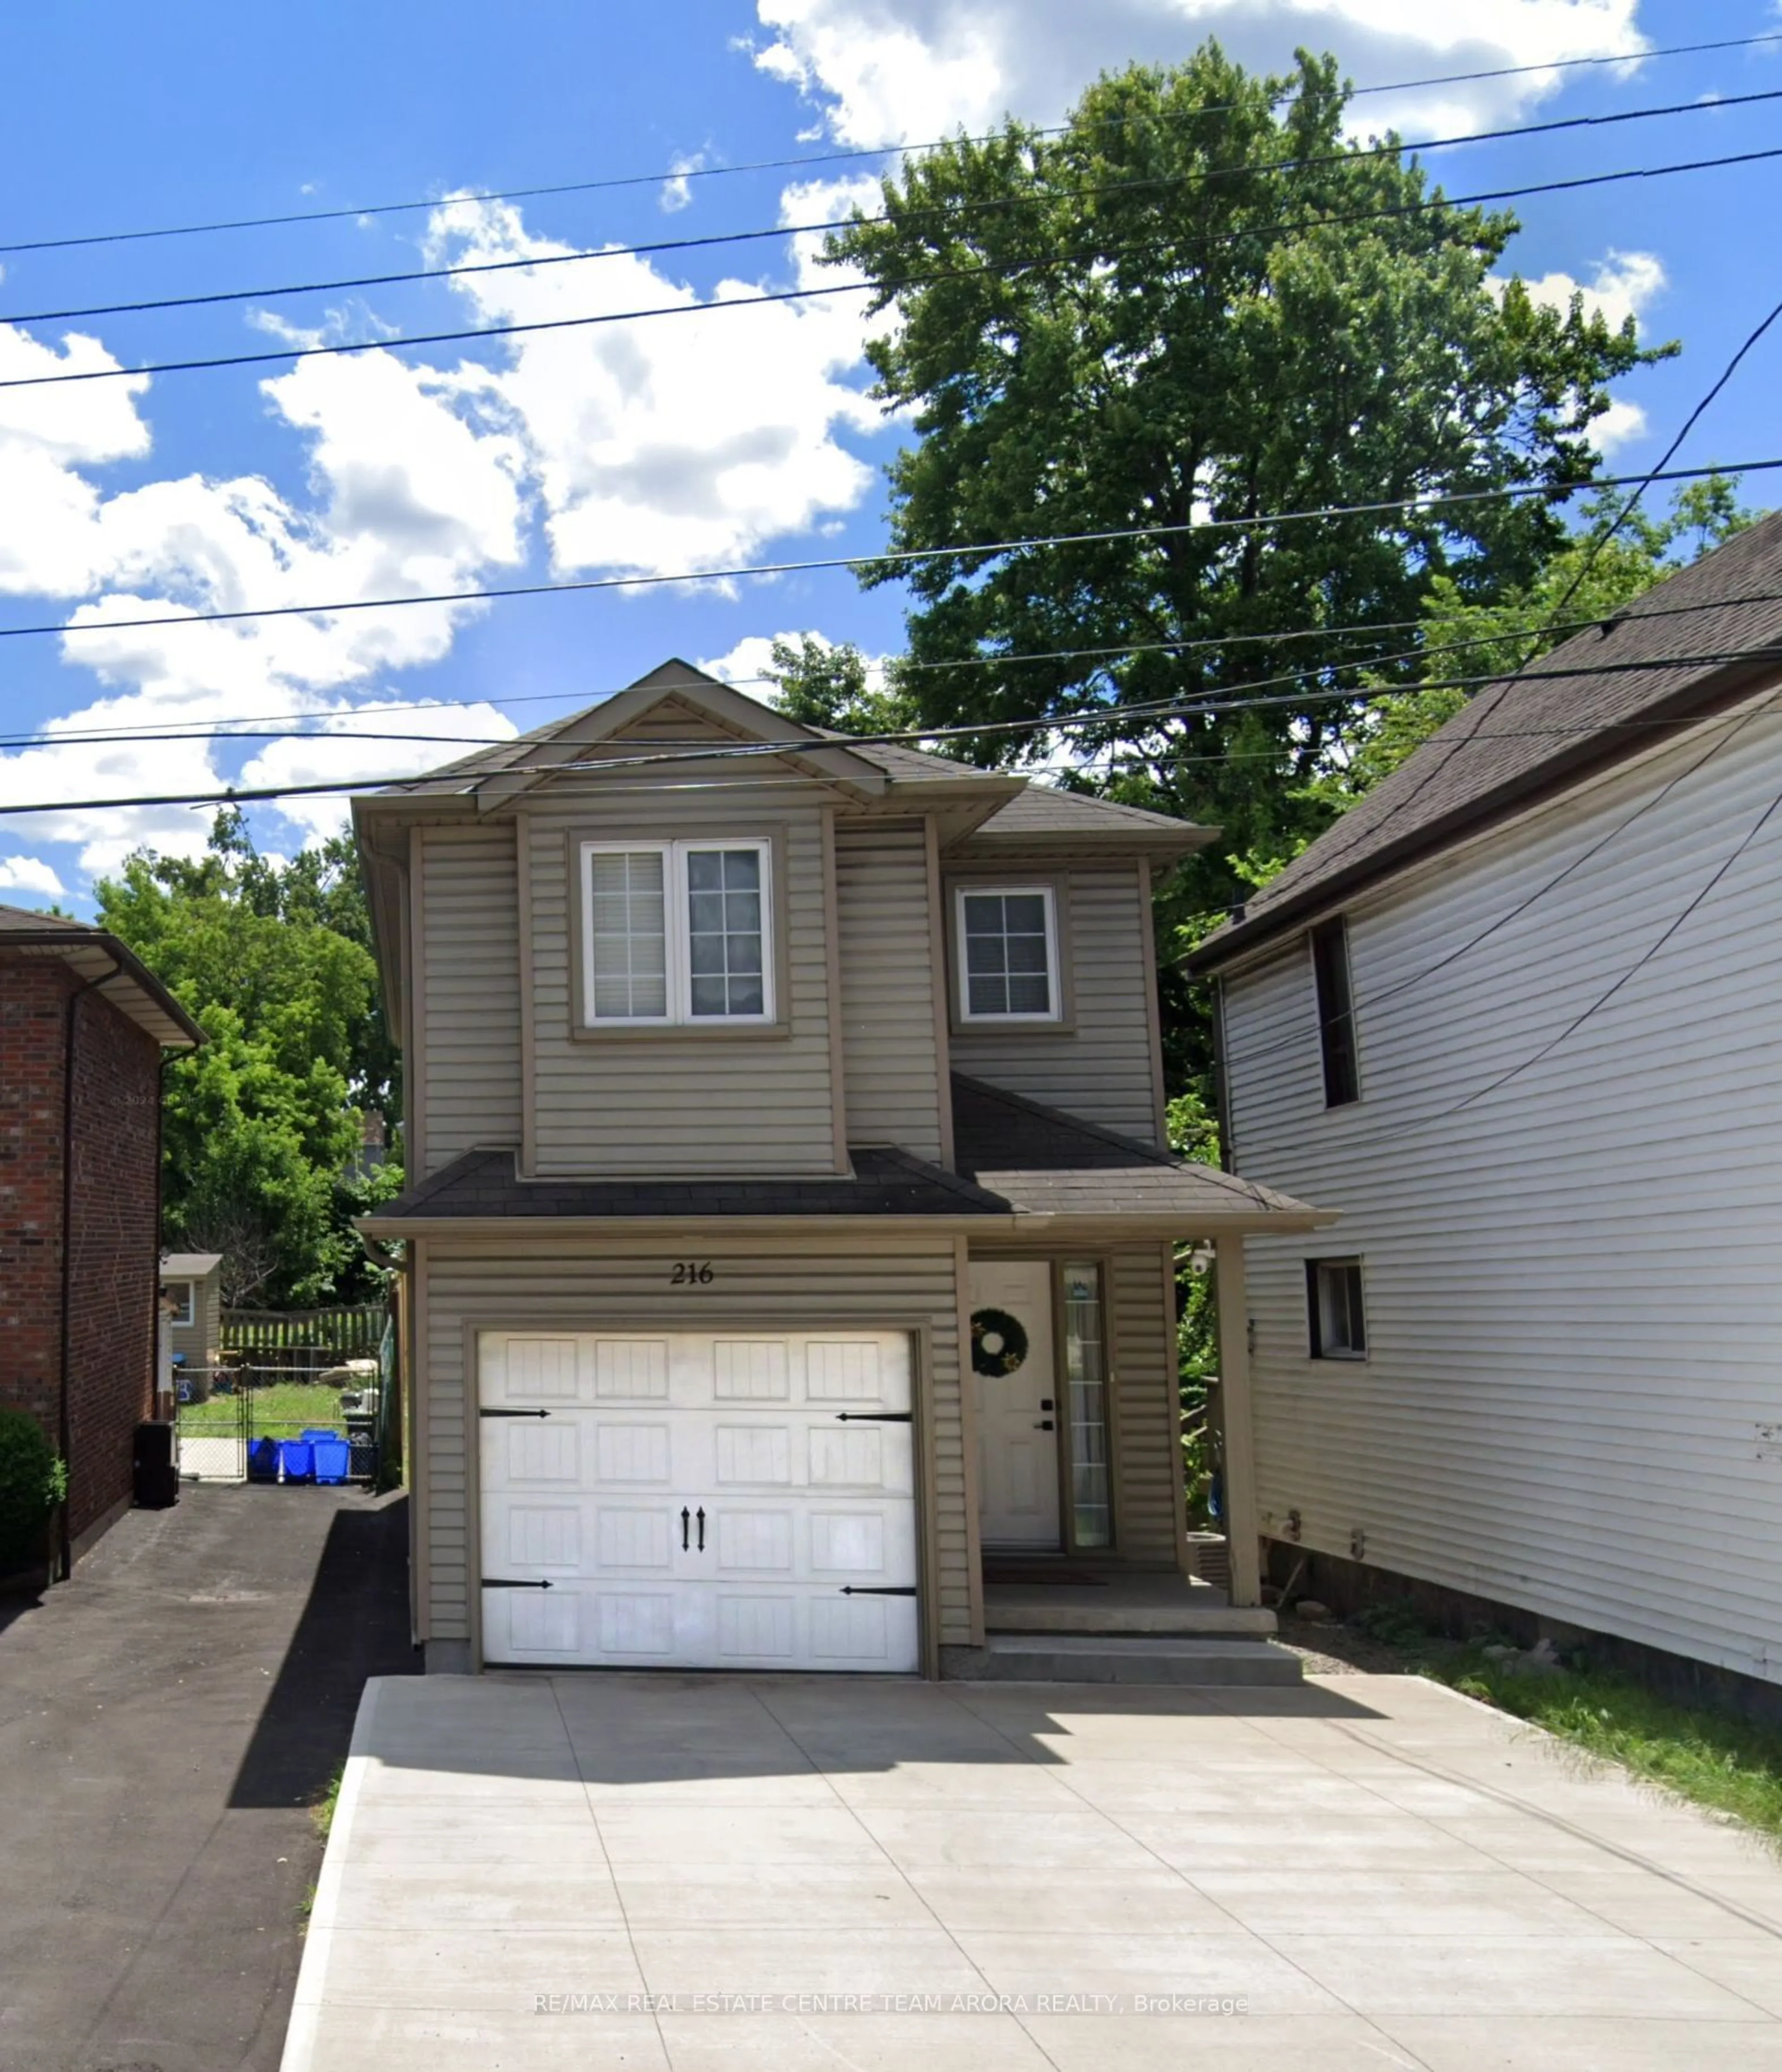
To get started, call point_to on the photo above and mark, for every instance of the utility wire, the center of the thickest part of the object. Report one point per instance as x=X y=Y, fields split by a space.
x=196 y=729
x=1604 y=997
x=682 y=753
x=1733 y=727
x=819 y=157
x=288 y=355
x=1437 y=764
x=893 y=558
x=949 y=212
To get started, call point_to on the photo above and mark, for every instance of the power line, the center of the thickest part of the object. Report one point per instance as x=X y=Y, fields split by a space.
x=1436 y=765
x=1604 y=997
x=611 y=182
x=889 y=558
x=288 y=355
x=682 y=753
x=658 y=246
x=1734 y=725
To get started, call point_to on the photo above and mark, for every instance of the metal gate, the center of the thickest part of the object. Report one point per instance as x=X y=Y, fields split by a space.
x=281 y=1424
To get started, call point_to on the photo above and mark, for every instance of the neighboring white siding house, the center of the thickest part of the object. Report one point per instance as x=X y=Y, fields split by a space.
x=1570 y=1399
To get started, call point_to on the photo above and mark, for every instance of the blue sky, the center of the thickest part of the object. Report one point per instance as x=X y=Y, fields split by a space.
x=691 y=441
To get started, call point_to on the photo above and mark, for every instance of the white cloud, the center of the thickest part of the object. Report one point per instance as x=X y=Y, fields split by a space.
x=341 y=751
x=894 y=70
x=748 y=662
x=29 y=873
x=1619 y=426
x=677 y=189
x=1624 y=284
x=686 y=442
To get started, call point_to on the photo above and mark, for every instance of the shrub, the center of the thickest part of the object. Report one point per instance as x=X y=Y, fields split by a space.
x=32 y=1482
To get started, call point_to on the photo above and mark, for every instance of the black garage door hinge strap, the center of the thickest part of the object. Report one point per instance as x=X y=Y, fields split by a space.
x=874 y=1417
x=511 y=1583
x=868 y=1590
x=513 y=1413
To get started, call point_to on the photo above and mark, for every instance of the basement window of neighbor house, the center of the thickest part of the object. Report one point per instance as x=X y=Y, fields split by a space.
x=677 y=933
x=1330 y=964
x=1335 y=1315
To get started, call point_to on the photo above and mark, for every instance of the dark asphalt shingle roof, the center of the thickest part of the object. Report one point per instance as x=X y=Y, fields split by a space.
x=1014 y=1158
x=1535 y=733
x=1041 y=1161
x=885 y=1182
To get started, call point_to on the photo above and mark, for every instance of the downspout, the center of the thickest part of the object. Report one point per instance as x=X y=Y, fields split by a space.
x=65 y=1415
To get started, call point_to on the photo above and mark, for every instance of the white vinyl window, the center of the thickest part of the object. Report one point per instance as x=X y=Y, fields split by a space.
x=1007 y=939
x=678 y=932
x=180 y=1294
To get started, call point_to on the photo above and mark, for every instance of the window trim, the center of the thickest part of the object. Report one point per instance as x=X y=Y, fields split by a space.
x=1334 y=1056
x=1315 y=1268
x=583 y=844
x=187 y=1315
x=1046 y=889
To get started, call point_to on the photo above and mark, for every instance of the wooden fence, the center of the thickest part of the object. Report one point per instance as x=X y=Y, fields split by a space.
x=317 y=1337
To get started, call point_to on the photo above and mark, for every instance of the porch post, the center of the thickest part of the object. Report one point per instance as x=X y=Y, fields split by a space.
x=1242 y=1530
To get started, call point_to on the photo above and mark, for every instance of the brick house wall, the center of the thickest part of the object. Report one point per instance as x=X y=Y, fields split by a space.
x=112 y=1138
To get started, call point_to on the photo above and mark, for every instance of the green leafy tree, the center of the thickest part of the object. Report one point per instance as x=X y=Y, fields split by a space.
x=825 y=685
x=263 y=1124
x=1199 y=303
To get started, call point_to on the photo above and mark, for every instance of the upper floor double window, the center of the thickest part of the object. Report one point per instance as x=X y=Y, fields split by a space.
x=677 y=933
x=1006 y=937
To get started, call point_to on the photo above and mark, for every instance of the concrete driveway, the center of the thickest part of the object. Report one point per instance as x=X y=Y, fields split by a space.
x=813 y=1875
x=166 y=1719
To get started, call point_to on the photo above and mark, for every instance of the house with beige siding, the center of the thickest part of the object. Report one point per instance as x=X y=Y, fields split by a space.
x=1515 y=1018
x=790 y=1229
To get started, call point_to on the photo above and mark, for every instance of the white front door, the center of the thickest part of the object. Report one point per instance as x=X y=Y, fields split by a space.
x=1015 y=1386
x=706 y=1500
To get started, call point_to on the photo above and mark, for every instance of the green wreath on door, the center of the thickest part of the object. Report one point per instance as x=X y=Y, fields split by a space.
x=998 y=1342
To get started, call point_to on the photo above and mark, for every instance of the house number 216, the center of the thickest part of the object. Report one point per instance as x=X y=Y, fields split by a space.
x=686 y=1271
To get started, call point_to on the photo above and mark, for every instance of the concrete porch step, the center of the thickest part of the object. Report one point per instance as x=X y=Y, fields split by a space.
x=1069 y=1658
x=1125 y=1613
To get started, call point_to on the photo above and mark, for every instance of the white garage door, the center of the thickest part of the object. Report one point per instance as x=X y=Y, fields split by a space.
x=698 y=1499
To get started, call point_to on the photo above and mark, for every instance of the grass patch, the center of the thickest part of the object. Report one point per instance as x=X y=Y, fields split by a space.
x=1712 y=1757
x=282 y=1408
x=322 y=1811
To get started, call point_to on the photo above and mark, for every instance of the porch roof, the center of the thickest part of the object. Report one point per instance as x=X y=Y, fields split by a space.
x=1041 y=1161
x=1020 y=1165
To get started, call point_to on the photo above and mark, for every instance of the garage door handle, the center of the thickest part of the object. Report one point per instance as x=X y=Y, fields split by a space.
x=512 y=1583
x=686 y=1520
x=874 y=1417
x=1044 y=1425
x=869 y=1590
x=700 y=1514
x=513 y=1413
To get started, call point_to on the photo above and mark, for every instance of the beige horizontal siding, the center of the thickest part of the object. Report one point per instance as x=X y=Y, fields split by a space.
x=1101 y=1068
x=815 y=1281
x=892 y=1074
x=1147 y=1455
x=664 y=1103
x=469 y=978
x=1570 y=1402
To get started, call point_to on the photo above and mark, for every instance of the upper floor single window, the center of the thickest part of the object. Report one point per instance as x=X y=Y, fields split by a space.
x=1330 y=964
x=678 y=932
x=1007 y=939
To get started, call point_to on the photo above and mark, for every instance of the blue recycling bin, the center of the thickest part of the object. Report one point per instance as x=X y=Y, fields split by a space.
x=297 y=1458
x=333 y=1460
x=263 y=1461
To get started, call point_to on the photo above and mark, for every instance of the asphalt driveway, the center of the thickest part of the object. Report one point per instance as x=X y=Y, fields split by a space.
x=166 y=1719
x=803 y=1874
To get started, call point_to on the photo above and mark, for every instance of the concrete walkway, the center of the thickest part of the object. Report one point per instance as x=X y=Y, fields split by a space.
x=697 y=1873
